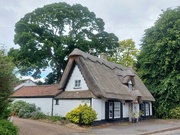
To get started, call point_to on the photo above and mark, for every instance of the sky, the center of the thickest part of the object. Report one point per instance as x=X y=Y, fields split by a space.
x=125 y=18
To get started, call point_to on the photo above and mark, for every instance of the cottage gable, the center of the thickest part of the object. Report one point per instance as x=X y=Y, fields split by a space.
x=76 y=81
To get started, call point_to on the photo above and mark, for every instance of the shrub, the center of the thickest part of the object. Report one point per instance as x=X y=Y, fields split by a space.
x=24 y=109
x=175 y=113
x=87 y=113
x=38 y=115
x=27 y=110
x=7 y=128
x=6 y=112
x=16 y=106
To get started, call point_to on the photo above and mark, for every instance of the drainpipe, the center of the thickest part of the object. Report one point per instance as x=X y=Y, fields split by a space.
x=52 y=108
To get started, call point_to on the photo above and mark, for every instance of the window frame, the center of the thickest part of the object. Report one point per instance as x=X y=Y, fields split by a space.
x=57 y=102
x=117 y=104
x=130 y=85
x=77 y=84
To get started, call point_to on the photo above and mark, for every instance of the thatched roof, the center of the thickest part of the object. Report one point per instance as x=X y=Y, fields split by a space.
x=104 y=78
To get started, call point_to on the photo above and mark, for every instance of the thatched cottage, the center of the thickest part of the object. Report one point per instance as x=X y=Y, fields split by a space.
x=113 y=91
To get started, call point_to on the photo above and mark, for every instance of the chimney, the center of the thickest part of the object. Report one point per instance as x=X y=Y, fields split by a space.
x=103 y=56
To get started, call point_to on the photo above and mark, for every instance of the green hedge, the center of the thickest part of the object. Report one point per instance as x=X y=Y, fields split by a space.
x=7 y=128
x=87 y=113
x=175 y=113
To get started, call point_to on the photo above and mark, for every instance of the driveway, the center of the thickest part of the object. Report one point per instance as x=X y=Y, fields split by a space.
x=34 y=127
x=146 y=127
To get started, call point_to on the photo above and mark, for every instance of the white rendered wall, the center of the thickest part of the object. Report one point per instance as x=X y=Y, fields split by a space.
x=99 y=106
x=76 y=75
x=125 y=110
x=67 y=105
x=45 y=104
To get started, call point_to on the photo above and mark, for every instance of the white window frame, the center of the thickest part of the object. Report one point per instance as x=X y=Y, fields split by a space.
x=77 y=84
x=147 y=109
x=130 y=85
x=117 y=110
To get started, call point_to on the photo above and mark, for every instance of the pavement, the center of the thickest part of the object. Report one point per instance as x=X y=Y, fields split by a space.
x=145 y=127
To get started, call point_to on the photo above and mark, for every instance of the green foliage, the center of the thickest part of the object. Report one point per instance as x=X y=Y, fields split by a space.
x=47 y=36
x=16 y=106
x=6 y=83
x=38 y=115
x=54 y=118
x=125 y=54
x=24 y=109
x=27 y=111
x=7 y=128
x=175 y=113
x=158 y=62
x=88 y=115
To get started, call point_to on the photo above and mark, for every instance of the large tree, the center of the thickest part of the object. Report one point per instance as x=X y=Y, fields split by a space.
x=6 y=83
x=159 y=61
x=47 y=35
x=126 y=53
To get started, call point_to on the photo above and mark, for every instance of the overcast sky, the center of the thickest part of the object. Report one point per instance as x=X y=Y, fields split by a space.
x=125 y=18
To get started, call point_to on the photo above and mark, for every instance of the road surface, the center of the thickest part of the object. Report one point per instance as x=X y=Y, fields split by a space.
x=34 y=127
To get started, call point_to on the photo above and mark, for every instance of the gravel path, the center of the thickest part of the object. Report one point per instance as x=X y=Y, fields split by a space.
x=33 y=127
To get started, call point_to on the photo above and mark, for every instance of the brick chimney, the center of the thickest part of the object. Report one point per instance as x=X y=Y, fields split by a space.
x=103 y=56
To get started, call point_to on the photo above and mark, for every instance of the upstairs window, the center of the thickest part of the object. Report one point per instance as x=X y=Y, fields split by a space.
x=130 y=86
x=77 y=84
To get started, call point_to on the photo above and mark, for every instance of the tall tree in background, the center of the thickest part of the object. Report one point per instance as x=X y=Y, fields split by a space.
x=6 y=83
x=125 y=54
x=48 y=35
x=159 y=61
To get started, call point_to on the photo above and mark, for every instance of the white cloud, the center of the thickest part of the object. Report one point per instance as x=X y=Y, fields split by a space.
x=124 y=18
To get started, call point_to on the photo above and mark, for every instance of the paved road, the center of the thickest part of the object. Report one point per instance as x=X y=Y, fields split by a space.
x=146 y=127
x=32 y=127
x=172 y=132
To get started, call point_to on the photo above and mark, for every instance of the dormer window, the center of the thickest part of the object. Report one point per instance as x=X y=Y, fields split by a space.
x=77 y=84
x=130 y=86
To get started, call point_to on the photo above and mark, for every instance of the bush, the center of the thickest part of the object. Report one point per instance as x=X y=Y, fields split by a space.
x=175 y=113
x=6 y=112
x=87 y=113
x=16 y=106
x=27 y=111
x=38 y=115
x=7 y=128
x=24 y=110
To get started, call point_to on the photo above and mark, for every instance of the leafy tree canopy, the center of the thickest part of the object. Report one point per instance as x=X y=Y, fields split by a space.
x=159 y=61
x=48 y=35
x=6 y=83
x=126 y=53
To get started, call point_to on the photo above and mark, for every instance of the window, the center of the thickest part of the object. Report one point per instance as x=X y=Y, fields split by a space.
x=130 y=85
x=77 y=84
x=116 y=109
x=57 y=102
x=147 y=109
